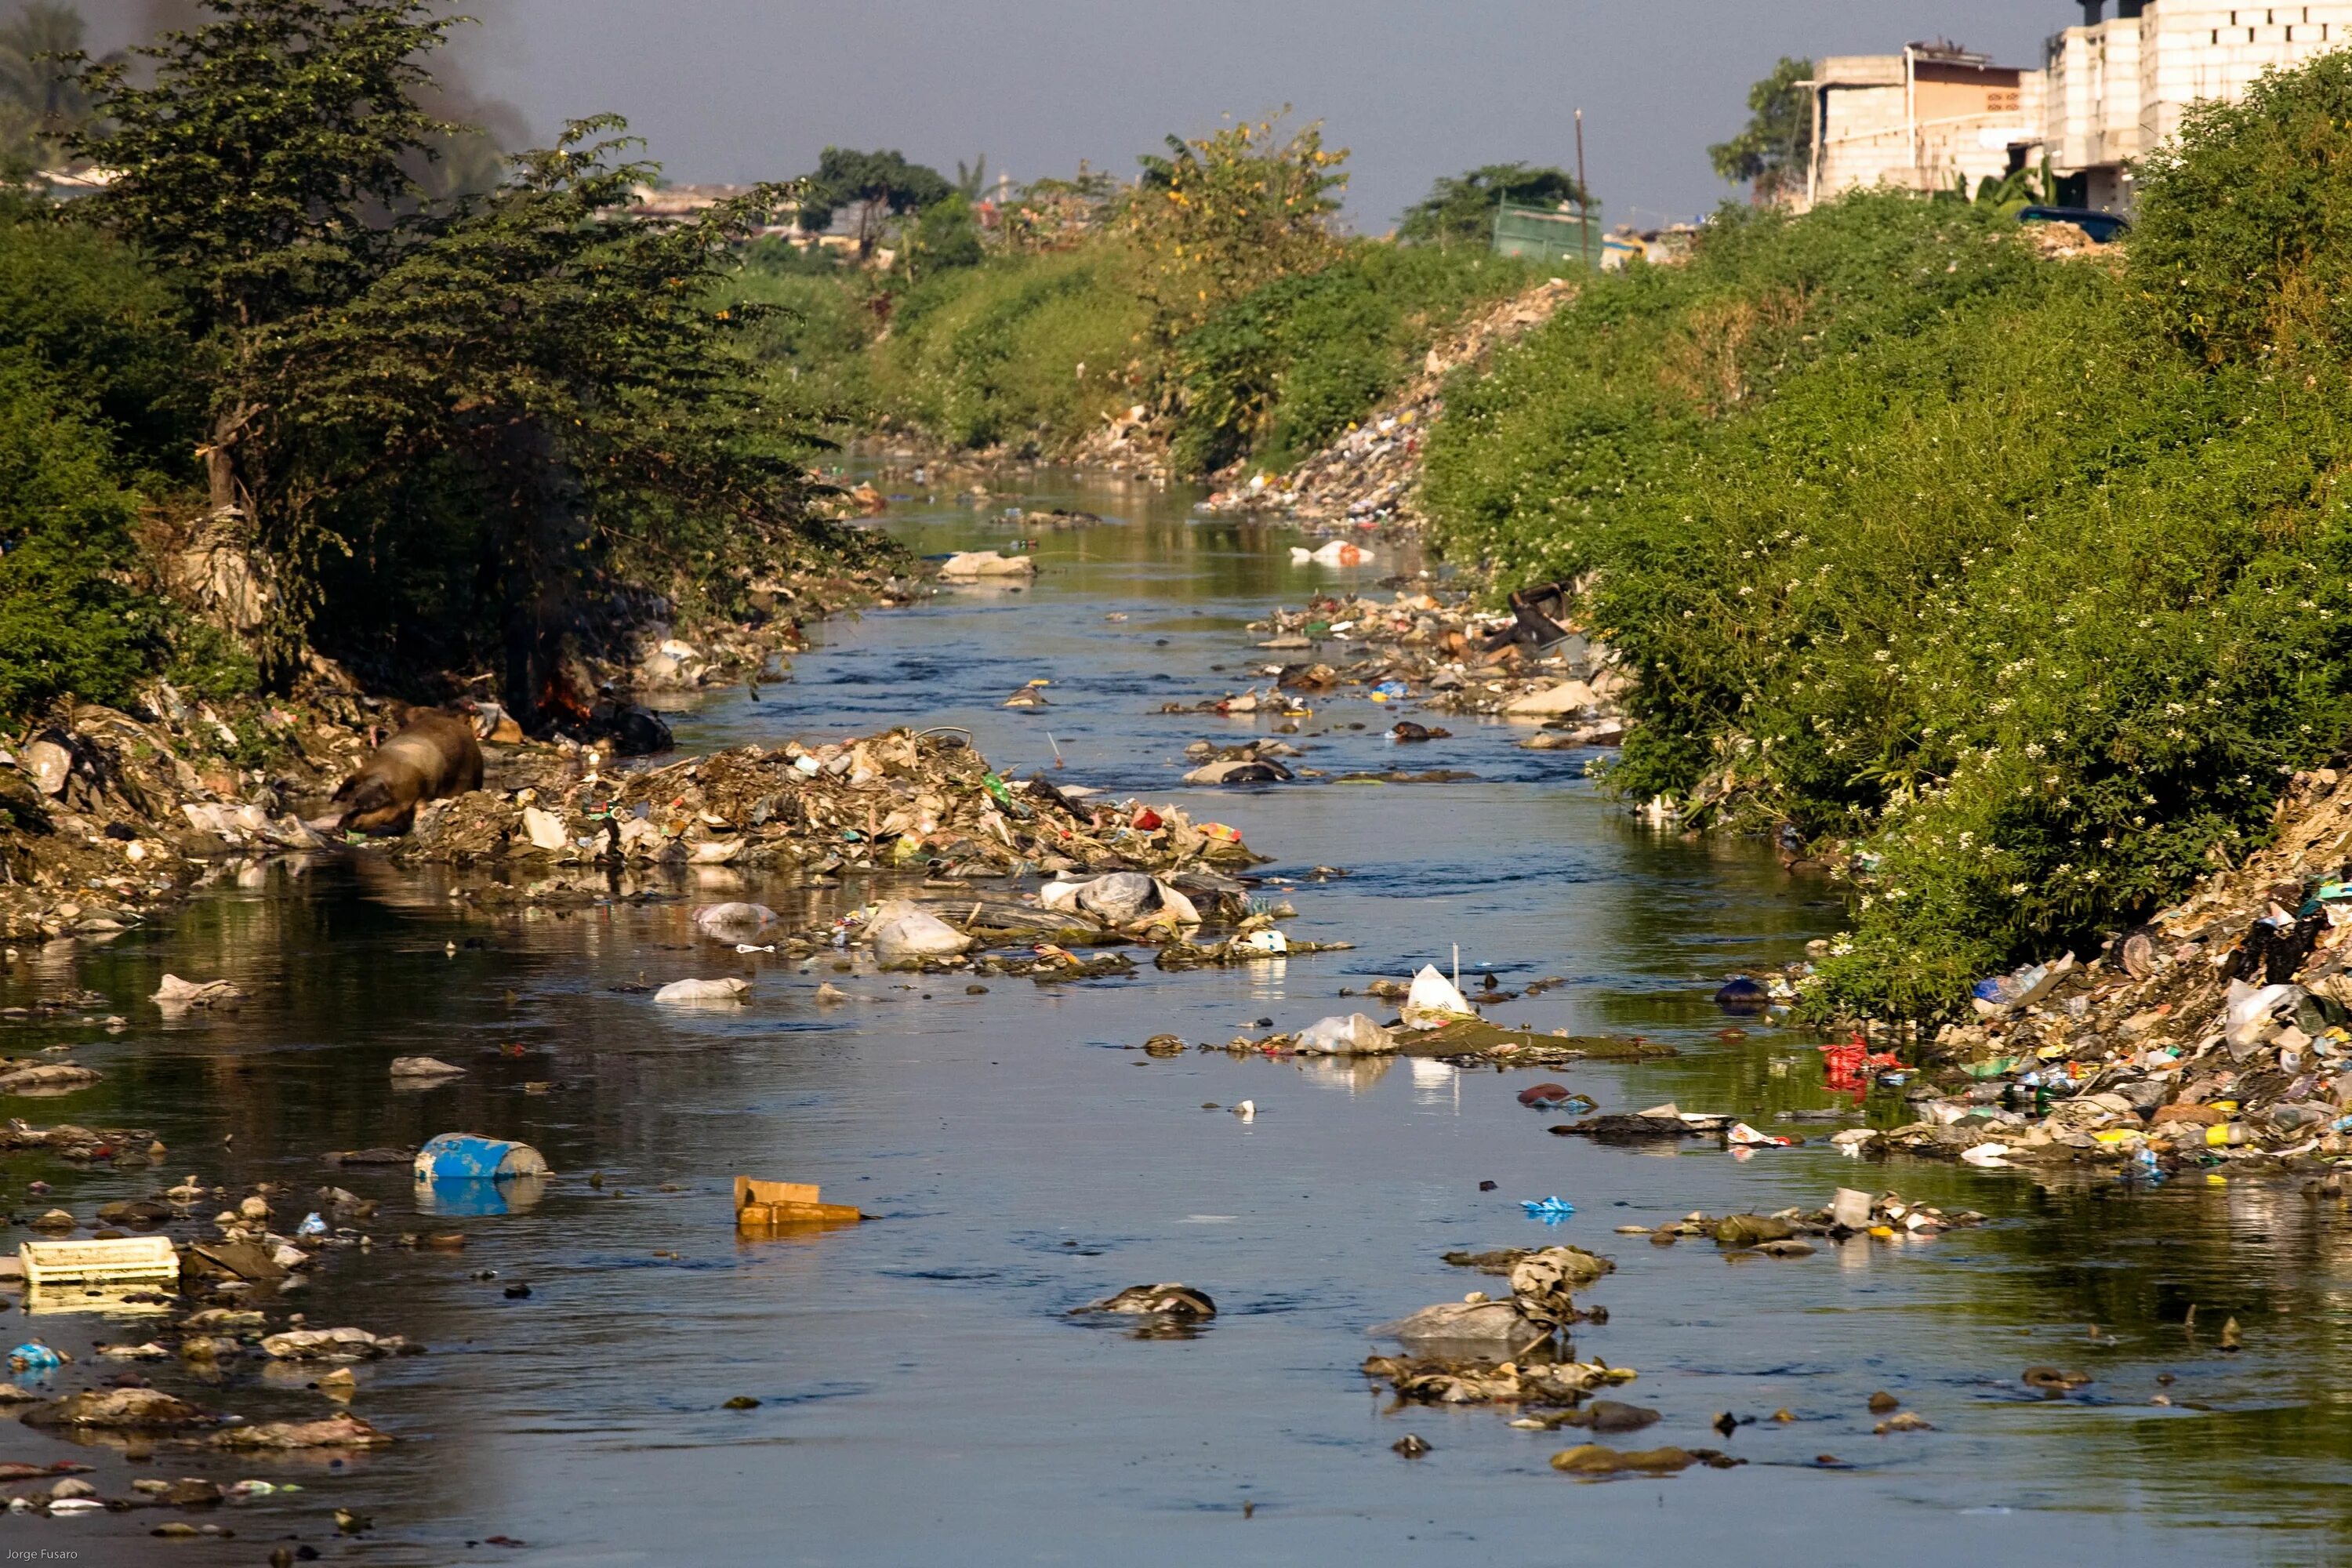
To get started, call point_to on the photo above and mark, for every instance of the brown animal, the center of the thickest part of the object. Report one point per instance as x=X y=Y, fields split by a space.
x=435 y=755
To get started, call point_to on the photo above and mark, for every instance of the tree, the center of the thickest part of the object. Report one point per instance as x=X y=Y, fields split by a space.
x=947 y=235
x=1222 y=216
x=1772 y=153
x=42 y=101
x=1459 y=208
x=973 y=183
x=263 y=172
x=1054 y=214
x=528 y=413
x=878 y=184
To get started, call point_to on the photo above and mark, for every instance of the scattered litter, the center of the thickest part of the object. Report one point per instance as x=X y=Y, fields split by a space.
x=761 y=1205
x=177 y=994
x=110 y=1261
x=425 y=1066
x=696 y=993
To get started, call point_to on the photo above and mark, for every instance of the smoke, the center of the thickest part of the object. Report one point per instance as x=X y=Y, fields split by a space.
x=468 y=163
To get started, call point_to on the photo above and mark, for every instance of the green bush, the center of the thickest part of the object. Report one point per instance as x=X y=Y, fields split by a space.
x=1915 y=540
x=101 y=325
x=809 y=343
x=2242 y=245
x=1030 y=348
x=1282 y=371
x=68 y=622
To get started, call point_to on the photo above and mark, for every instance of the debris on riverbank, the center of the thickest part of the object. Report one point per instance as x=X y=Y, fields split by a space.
x=1372 y=474
x=902 y=800
x=2217 y=1034
x=1448 y=1029
x=107 y=814
x=1529 y=664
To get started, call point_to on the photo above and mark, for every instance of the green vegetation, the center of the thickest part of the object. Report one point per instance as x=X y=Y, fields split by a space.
x=1459 y=208
x=41 y=102
x=1286 y=368
x=446 y=435
x=2030 y=579
x=1024 y=350
x=1228 y=213
x=1213 y=292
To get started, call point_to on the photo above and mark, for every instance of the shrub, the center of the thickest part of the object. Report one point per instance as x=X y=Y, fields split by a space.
x=68 y=622
x=1917 y=540
x=1029 y=348
x=1284 y=370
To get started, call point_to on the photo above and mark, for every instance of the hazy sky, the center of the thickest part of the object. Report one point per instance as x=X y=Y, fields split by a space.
x=743 y=90
x=739 y=89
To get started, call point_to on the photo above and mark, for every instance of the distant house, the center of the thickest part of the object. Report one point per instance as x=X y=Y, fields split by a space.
x=1923 y=120
x=2108 y=92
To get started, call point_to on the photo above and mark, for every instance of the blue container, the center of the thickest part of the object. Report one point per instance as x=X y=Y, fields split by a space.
x=470 y=1157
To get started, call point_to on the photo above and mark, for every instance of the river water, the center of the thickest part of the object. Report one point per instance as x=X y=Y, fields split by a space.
x=925 y=1397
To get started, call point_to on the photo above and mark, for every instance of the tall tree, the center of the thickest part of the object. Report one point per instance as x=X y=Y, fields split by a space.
x=880 y=185
x=1459 y=208
x=1772 y=152
x=971 y=183
x=264 y=170
x=532 y=411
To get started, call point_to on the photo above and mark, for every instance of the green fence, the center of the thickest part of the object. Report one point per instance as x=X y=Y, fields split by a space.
x=1547 y=234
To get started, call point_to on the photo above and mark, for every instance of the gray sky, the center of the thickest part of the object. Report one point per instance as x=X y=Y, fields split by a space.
x=739 y=89
x=744 y=89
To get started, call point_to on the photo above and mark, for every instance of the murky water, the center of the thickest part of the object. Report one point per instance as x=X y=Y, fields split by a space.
x=923 y=1395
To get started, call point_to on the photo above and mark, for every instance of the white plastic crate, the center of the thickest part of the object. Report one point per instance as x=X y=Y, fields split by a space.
x=121 y=1260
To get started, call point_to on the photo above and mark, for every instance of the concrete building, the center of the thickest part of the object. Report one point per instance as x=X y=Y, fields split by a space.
x=2117 y=84
x=2109 y=91
x=1921 y=119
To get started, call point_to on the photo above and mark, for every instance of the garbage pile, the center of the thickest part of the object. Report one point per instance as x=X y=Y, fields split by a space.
x=1481 y=1351
x=1790 y=1232
x=902 y=800
x=1372 y=474
x=1435 y=1021
x=1527 y=664
x=106 y=816
x=2217 y=1034
x=198 y=1285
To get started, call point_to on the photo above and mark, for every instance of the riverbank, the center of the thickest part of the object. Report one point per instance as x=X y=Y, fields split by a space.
x=986 y=1130
x=109 y=815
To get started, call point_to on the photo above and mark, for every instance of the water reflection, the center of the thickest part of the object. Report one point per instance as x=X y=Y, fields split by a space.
x=922 y=1392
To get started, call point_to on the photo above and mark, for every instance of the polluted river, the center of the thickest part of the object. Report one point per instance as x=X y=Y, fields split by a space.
x=612 y=1375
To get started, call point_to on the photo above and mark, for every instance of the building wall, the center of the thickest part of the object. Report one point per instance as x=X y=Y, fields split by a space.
x=1921 y=127
x=2118 y=89
x=2092 y=95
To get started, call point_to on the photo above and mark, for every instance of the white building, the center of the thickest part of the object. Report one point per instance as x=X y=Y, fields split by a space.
x=2108 y=92
x=2117 y=84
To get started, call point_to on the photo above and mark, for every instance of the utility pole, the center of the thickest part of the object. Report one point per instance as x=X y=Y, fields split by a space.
x=1583 y=192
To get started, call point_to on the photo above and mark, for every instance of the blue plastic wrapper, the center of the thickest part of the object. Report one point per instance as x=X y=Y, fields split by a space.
x=1551 y=1211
